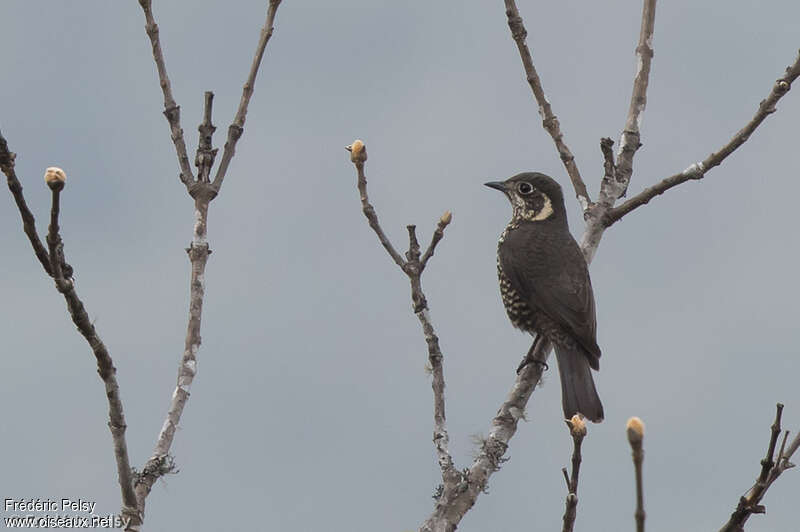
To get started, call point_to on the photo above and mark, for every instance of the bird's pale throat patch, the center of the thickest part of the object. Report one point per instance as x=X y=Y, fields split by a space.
x=534 y=208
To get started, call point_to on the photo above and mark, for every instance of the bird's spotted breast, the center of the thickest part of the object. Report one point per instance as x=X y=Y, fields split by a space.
x=518 y=310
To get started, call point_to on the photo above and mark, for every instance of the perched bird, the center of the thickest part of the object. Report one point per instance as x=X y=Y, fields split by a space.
x=545 y=285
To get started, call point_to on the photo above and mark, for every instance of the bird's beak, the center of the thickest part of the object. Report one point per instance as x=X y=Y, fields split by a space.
x=497 y=185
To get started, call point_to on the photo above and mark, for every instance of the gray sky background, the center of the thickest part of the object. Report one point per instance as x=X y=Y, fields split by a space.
x=311 y=409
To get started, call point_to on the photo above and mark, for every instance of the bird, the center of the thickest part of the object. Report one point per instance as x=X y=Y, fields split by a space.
x=546 y=289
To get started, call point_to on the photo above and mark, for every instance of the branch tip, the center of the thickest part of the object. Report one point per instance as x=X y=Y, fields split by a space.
x=577 y=426
x=635 y=430
x=358 y=151
x=55 y=178
x=446 y=218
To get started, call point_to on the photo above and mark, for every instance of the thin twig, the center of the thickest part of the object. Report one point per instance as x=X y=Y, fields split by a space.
x=413 y=267
x=358 y=155
x=237 y=127
x=635 y=431
x=171 y=109
x=206 y=153
x=549 y=120
x=438 y=233
x=54 y=265
x=28 y=221
x=771 y=469
x=768 y=463
x=54 y=243
x=700 y=169
x=577 y=429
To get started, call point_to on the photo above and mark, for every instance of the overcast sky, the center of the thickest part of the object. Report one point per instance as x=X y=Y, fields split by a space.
x=311 y=409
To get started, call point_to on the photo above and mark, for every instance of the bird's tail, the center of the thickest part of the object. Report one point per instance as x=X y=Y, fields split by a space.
x=578 y=393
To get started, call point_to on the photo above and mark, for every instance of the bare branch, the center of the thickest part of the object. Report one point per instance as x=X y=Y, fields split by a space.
x=358 y=155
x=237 y=127
x=455 y=503
x=171 y=109
x=635 y=430
x=612 y=189
x=446 y=218
x=629 y=143
x=699 y=170
x=54 y=243
x=55 y=266
x=577 y=429
x=28 y=221
x=203 y=192
x=413 y=268
x=771 y=469
x=768 y=463
x=198 y=255
x=549 y=120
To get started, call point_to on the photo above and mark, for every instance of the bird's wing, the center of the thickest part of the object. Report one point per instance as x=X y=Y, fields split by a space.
x=551 y=274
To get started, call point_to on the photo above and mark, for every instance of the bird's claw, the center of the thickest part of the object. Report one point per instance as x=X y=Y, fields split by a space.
x=530 y=360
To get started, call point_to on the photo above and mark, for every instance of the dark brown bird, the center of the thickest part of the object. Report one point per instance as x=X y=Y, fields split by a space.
x=545 y=285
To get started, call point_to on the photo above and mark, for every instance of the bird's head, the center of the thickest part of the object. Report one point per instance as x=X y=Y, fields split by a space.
x=534 y=197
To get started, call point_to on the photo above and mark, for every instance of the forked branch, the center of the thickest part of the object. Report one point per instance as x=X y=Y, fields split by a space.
x=203 y=191
x=459 y=490
x=700 y=169
x=771 y=468
x=413 y=266
x=617 y=176
x=55 y=266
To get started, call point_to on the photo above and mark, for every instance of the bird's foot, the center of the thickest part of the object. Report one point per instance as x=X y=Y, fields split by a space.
x=531 y=360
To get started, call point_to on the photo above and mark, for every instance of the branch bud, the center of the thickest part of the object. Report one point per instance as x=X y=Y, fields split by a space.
x=358 y=151
x=55 y=178
x=446 y=218
x=635 y=429
x=577 y=426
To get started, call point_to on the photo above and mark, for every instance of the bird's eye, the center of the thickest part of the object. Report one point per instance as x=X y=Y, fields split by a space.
x=524 y=188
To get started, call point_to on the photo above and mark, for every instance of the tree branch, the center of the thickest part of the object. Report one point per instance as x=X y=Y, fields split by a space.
x=198 y=252
x=171 y=109
x=358 y=155
x=771 y=469
x=629 y=143
x=455 y=502
x=54 y=265
x=577 y=429
x=203 y=192
x=549 y=120
x=635 y=431
x=699 y=170
x=237 y=127
x=413 y=268
x=28 y=221
x=612 y=189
